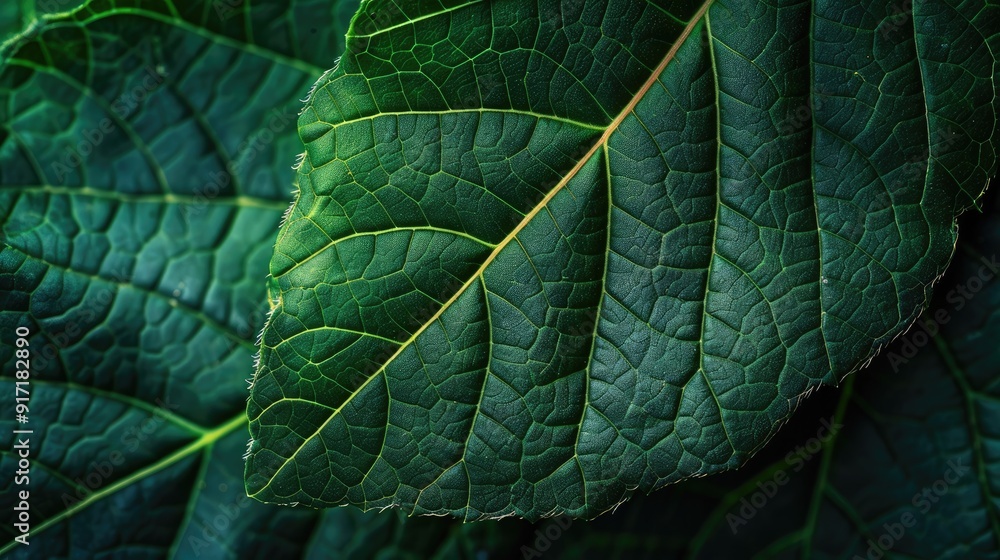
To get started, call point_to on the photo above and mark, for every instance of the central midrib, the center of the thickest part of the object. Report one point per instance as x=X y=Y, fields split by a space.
x=612 y=127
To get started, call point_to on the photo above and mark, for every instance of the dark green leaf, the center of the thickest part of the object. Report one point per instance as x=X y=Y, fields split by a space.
x=912 y=468
x=547 y=253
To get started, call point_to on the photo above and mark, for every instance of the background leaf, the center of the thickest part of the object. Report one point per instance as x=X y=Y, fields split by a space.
x=545 y=254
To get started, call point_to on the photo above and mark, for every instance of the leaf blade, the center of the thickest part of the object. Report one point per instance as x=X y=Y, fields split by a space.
x=763 y=249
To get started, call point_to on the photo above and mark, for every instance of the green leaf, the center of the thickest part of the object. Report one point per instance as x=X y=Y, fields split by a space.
x=917 y=444
x=144 y=166
x=546 y=254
